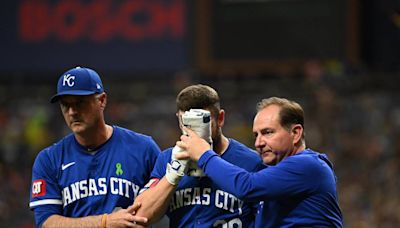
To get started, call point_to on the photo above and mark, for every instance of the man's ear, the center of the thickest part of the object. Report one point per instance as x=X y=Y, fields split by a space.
x=221 y=118
x=297 y=132
x=103 y=100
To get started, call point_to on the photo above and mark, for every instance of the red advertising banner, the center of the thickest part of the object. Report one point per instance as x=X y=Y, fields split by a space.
x=140 y=35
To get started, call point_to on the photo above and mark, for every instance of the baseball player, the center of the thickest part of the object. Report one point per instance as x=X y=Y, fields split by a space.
x=194 y=200
x=90 y=177
x=299 y=191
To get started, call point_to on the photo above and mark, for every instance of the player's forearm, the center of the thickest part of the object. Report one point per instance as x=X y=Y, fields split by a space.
x=61 y=221
x=155 y=201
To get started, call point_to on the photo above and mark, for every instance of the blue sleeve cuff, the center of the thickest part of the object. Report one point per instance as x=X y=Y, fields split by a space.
x=203 y=160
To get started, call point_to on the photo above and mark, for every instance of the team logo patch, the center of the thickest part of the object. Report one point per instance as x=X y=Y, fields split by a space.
x=38 y=188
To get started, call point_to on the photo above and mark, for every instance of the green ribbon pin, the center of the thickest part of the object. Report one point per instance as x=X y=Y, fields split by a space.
x=119 y=169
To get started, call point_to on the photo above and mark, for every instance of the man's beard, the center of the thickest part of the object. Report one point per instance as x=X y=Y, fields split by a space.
x=217 y=139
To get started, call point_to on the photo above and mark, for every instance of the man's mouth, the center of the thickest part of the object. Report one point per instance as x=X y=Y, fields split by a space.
x=265 y=152
x=75 y=122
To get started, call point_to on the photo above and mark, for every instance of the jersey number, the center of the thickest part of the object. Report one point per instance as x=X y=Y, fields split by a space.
x=234 y=223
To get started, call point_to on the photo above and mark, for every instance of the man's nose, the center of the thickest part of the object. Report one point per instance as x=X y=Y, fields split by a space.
x=72 y=110
x=259 y=142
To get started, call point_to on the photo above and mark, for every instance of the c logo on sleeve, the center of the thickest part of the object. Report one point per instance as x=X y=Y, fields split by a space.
x=38 y=188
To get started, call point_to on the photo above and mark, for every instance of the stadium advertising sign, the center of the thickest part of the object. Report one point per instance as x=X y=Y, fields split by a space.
x=121 y=35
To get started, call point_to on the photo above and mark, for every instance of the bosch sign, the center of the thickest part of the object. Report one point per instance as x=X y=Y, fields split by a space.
x=126 y=36
x=100 y=20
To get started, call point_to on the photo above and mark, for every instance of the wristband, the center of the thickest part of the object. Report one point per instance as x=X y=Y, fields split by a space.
x=104 y=220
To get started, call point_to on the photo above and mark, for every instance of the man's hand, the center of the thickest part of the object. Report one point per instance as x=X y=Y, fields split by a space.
x=125 y=218
x=193 y=146
x=119 y=218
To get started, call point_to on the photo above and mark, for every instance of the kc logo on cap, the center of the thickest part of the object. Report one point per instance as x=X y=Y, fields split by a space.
x=69 y=80
x=78 y=81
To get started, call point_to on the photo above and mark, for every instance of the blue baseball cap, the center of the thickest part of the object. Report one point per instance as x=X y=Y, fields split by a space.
x=78 y=81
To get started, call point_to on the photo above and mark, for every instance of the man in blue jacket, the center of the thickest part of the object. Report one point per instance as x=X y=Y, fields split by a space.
x=299 y=190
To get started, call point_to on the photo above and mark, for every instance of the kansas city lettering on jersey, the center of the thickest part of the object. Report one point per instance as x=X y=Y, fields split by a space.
x=197 y=196
x=94 y=187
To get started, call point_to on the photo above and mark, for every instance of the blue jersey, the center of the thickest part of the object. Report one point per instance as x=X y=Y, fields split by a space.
x=299 y=191
x=199 y=202
x=69 y=180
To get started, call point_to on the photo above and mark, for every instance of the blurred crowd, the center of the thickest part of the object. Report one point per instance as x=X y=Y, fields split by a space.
x=352 y=116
